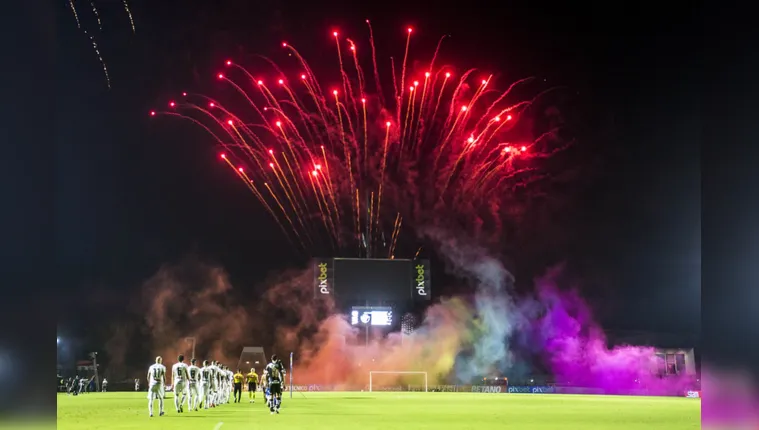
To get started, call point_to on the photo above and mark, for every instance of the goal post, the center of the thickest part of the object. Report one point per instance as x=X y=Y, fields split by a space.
x=390 y=372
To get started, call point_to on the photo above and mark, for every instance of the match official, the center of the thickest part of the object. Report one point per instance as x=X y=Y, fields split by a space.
x=238 y=386
x=252 y=379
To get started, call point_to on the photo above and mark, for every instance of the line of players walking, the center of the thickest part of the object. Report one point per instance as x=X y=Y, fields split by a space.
x=212 y=385
x=77 y=385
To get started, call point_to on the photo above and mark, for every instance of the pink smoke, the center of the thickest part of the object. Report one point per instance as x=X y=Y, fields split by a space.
x=576 y=349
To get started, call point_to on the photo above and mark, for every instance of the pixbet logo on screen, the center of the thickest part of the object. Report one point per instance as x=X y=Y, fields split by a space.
x=323 y=287
x=421 y=286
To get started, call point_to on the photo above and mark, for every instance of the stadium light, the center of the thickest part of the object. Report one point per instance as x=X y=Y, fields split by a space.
x=191 y=340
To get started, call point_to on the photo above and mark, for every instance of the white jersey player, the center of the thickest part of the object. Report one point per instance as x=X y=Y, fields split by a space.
x=193 y=385
x=156 y=384
x=214 y=391
x=265 y=384
x=180 y=378
x=230 y=382
x=219 y=384
x=206 y=375
x=223 y=379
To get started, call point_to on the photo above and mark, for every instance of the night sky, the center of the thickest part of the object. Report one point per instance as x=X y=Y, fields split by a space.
x=133 y=193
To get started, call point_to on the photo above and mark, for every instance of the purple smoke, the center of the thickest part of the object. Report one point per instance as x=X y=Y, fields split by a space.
x=576 y=349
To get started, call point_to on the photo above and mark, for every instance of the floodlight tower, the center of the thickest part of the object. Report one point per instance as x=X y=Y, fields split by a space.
x=191 y=340
x=94 y=356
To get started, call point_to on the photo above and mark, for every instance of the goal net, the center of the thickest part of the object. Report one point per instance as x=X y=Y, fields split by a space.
x=388 y=380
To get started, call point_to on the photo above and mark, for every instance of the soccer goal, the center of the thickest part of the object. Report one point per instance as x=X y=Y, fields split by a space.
x=398 y=375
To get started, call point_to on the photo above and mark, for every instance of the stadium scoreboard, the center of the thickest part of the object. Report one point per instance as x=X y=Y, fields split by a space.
x=371 y=316
x=367 y=279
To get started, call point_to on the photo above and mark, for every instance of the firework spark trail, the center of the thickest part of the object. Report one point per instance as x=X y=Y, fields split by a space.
x=419 y=123
x=76 y=15
x=238 y=136
x=240 y=172
x=243 y=92
x=370 y=219
x=411 y=113
x=450 y=140
x=392 y=235
x=361 y=151
x=394 y=238
x=440 y=96
x=334 y=219
x=298 y=208
x=100 y=58
x=284 y=212
x=348 y=90
x=253 y=155
x=97 y=15
x=295 y=160
x=403 y=76
x=395 y=91
x=129 y=14
x=405 y=119
x=382 y=174
x=279 y=174
x=378 y=85
x=359 y=71
x=330 y=187
x=347 y=153
x=365 y=149
x=326 y=219
x=282 y=179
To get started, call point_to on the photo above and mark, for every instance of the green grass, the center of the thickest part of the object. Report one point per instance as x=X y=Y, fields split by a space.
x=402 y=411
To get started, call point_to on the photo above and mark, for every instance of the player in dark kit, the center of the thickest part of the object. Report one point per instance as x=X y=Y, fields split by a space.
x=275 y=376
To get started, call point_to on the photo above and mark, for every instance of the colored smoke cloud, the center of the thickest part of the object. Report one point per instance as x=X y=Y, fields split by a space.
x=460 y=339
x=494 y=311
x=188 y=299
x=576 y=350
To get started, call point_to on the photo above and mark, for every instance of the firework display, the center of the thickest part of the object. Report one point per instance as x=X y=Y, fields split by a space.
x=96 y=14
x=346 y=167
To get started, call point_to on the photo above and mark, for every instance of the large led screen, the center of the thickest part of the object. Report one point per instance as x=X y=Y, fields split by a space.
x=374 y=316
x=375 y=280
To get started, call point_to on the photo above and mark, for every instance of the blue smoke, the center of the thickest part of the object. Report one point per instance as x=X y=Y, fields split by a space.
x=496 y=315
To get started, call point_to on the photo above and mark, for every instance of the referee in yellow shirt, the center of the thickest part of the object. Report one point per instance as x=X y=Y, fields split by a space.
x=252 y=379
x=238 y=386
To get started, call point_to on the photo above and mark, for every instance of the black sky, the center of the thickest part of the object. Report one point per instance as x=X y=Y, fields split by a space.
x=132 y=194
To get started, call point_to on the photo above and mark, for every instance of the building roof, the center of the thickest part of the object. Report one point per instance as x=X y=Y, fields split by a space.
x=649 y=338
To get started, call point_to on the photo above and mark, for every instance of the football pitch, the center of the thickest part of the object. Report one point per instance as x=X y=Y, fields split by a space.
x=385 y=410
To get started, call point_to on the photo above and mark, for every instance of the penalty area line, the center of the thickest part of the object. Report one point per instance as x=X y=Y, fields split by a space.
x=218 y=426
